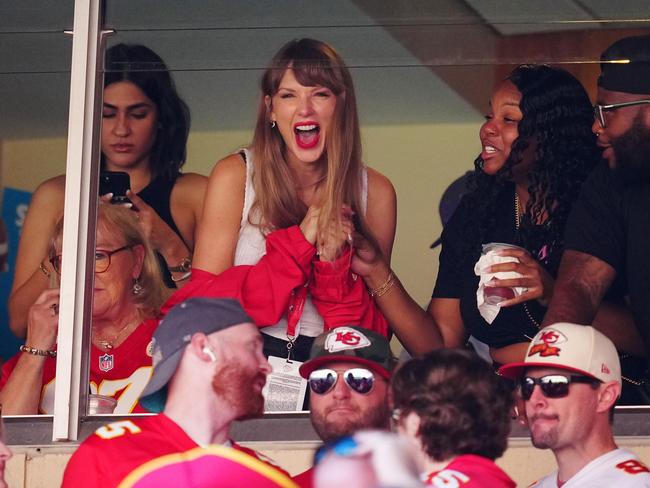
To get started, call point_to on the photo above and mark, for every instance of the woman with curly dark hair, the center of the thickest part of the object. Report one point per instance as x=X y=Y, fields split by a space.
x=537 y=150
x=457 y=412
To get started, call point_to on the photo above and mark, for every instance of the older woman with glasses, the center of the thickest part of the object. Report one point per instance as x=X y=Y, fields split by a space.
x=127 y=295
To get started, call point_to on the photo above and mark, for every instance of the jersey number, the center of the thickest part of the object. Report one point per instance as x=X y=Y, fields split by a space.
x=117 y=429
x=449 y=478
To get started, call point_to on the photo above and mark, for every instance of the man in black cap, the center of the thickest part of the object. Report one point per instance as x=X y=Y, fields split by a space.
x=608 y=233
x=348 y=372
x=208 y=370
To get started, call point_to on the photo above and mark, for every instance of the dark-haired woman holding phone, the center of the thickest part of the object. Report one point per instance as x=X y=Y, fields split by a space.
x=145 y=125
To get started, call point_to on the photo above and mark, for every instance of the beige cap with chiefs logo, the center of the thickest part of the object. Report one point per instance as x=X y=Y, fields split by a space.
x=578 y=348
x=350 y=344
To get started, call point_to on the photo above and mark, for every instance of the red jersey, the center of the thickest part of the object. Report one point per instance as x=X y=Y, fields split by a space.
x=121 y=373
x=305 y=479
x=143 y=451
x=470 y=471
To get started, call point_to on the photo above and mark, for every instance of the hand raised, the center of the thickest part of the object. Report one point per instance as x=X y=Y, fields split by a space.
x=335 y=239
x=157 y=231
x=43 y=320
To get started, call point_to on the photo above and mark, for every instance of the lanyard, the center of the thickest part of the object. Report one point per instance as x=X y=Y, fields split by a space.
x=296 y=306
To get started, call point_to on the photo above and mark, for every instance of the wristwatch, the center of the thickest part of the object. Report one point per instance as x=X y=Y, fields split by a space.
x=184 y=266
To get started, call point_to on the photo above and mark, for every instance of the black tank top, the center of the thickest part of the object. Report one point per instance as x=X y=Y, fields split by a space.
x=157 y=194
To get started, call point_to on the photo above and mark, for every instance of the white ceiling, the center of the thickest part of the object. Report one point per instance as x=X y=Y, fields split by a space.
x=217 y=50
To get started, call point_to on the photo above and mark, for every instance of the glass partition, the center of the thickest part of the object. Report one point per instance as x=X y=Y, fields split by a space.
x=423 y=74
x=35 y=57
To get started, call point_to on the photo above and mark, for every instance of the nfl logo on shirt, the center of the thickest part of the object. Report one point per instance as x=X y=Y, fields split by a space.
x=106 y=362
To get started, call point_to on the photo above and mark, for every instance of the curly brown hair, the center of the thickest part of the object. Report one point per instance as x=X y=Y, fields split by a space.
x=464 y=407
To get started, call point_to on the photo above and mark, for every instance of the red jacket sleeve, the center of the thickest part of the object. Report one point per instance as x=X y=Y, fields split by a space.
x=264 y=288
x=341 y=297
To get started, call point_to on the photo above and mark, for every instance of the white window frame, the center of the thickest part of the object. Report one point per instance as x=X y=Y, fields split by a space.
x=79 y=224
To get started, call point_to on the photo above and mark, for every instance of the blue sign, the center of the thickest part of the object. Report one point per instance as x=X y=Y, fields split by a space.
x=14 y=208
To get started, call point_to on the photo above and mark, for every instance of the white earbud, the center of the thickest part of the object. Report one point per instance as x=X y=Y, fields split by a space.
x=210 y=353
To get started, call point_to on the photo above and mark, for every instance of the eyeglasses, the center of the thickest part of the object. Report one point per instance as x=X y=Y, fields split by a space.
x=102 y=259
x=360 y=380
x=552 y=385
x=599 y=110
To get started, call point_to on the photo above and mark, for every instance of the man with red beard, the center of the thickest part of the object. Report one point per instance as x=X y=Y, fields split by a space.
x=208 y=371
x=348 y=372
x=608 y=233
x=570 y=380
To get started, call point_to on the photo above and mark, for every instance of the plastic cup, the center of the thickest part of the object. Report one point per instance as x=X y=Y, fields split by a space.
x=493 y=295
x=100 y=404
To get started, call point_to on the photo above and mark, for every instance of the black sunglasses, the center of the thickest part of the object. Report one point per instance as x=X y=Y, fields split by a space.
x=360 y=380
x=552 y=385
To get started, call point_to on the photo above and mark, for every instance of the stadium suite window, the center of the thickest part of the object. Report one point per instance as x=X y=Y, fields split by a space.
x=407 y=76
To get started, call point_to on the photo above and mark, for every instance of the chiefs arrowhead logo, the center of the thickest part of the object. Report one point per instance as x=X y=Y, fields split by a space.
x=546 y=342
x=344 y=338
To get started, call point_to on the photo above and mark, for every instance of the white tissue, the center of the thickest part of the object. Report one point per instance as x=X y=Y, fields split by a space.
x=487 y=311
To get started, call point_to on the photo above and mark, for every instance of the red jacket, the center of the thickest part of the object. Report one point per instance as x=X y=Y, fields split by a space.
x=278 y=284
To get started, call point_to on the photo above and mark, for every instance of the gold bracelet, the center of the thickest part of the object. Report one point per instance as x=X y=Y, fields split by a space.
x=384 y=287
x=37 y=352
x=43 y=269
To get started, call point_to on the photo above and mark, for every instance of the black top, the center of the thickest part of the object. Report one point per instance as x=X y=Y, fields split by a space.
x=157 y=194
x=611 y=221
x=456 y=278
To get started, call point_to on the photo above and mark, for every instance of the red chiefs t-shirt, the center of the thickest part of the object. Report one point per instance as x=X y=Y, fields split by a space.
x=136 y=452
x=121 y=373
x=470 y=471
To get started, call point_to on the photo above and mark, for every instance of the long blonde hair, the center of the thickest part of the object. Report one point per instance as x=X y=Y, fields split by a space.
x=277 y=203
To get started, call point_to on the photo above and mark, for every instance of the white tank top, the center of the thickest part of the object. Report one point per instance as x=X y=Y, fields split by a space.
x=251 y=246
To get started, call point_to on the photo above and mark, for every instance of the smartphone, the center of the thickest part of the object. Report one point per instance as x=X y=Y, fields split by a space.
x=115 y=182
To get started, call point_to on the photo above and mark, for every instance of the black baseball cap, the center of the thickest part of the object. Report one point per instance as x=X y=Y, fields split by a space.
x=625 y=66
x=351 y=344
x=207 y=315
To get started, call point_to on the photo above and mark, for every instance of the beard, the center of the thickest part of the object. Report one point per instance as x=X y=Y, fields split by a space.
x=329 y=430
x=234 y=384
x=632 y=152
x=545 y=439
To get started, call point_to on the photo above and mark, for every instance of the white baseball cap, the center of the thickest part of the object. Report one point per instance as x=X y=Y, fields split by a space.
x=574 y=347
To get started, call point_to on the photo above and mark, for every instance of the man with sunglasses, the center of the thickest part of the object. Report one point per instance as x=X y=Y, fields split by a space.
x=348 y=373
x=570 y=380
x=608 y=233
